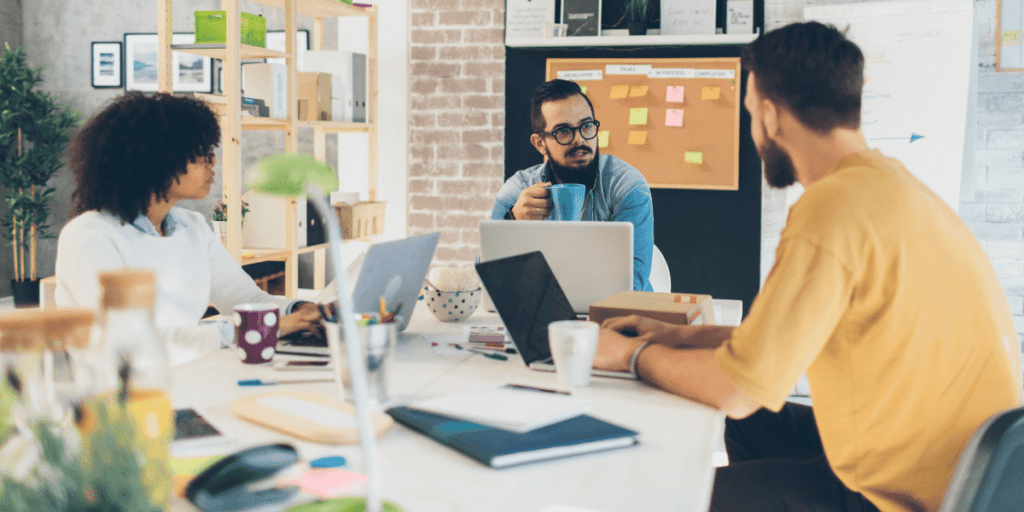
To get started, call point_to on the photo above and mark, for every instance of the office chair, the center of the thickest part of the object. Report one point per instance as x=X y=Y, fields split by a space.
x=661 y=278
x=991 y=469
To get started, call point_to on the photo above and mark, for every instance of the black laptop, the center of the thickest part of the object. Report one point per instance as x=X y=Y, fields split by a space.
x=528 y=298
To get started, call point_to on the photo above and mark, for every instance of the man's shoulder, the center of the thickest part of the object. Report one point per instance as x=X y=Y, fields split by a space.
x=530 y=175
x=617 y=173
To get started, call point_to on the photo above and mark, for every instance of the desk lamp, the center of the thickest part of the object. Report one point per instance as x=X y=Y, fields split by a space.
x=293 y=175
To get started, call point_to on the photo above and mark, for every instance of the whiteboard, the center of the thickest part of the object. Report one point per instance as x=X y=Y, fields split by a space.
x=1009 y=54
x=920 y=79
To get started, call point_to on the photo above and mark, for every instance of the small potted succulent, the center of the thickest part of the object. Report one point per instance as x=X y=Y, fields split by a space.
x=638 y=15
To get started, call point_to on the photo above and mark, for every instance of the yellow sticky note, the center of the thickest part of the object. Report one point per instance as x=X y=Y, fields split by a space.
x=694 y=157
x=619 y=91
x=637 y=91
x=638 y=115
x=602 y=139
x=583 y=88
x=637 y=138
x=710 y=93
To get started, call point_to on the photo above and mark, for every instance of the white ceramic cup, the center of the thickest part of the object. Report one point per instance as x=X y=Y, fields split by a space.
x=573 y=347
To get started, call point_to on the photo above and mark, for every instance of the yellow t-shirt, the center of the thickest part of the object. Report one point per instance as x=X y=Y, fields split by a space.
x=883 y=296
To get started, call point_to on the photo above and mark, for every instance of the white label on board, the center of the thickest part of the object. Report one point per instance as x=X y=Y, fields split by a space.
x=583 y=74
x=727 y=74
x=625 y=69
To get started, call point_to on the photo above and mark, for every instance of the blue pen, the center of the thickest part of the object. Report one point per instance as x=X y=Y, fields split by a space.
x=258 y=382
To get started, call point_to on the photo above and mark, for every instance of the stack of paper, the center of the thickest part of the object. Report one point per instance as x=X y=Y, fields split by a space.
x=514 y=409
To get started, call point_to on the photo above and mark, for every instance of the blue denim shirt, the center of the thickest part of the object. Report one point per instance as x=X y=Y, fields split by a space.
x=620 y=193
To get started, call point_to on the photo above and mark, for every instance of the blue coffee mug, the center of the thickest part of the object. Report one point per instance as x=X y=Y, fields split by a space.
x=568 y=201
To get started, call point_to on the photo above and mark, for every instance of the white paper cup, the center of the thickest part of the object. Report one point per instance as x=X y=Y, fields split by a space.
x=573 y=347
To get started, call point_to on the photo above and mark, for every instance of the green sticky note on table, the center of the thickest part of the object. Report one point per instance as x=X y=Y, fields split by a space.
x=638 y=115
x=693 y=157
x=619 y=92
x=602 y=139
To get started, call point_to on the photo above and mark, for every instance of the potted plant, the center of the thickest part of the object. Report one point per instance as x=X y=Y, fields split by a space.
x=34 y=130
x=638 y=15
x=220 y=217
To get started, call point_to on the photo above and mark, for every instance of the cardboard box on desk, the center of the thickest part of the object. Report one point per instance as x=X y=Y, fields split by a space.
x=314 y=96
x=674 y=308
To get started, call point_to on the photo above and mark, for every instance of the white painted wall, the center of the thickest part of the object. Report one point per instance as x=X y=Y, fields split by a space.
x=392 y=113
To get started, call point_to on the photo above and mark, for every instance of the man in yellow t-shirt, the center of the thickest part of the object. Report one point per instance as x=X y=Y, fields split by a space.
x=879 y=293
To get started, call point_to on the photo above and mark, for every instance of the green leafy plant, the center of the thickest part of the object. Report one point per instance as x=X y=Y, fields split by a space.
x=638 y=11
x=220 y=210
x=104 y=476
x=34 y=130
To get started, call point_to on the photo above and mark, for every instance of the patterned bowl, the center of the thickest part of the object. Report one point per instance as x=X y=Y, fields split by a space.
x=451 y=306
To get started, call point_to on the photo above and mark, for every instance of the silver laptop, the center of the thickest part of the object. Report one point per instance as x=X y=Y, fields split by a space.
x=592 y=260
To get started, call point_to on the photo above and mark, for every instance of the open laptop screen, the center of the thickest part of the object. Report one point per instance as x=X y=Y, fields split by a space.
x=592 y=260
x=528 y=298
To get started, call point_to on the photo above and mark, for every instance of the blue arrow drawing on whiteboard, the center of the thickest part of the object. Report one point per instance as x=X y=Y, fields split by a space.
x=913 y=137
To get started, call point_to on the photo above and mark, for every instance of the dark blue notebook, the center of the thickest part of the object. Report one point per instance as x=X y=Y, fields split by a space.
x=499 y=448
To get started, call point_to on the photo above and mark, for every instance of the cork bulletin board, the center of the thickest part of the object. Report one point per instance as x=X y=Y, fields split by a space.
x=677 y=120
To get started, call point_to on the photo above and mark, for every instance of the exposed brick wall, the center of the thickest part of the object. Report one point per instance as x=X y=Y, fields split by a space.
x=456 y=120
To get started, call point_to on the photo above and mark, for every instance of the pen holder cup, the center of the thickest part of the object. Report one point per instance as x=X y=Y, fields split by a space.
x=452 y=306
x=378 y=342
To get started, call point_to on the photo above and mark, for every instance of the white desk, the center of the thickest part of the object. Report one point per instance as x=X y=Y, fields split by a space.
x=670 y=470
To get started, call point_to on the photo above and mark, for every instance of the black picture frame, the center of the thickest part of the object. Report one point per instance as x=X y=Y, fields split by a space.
x=107 y=65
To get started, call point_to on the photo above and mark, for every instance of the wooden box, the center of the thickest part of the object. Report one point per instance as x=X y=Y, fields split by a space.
x=674 y=308
x=361 y=219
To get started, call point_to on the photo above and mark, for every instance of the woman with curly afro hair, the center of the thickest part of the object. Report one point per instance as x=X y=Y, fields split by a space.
x=132 y=163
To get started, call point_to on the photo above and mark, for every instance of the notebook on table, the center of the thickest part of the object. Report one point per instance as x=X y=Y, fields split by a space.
x=528 y=297
x=499 y=448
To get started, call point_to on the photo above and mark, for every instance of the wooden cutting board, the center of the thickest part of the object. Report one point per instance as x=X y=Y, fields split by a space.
x=308 y=416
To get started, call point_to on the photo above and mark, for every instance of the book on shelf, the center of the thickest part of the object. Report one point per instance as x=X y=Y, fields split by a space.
x=499 y=448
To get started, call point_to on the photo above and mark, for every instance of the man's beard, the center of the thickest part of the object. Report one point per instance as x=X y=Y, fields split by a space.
x=582 y=175
x=778 y=166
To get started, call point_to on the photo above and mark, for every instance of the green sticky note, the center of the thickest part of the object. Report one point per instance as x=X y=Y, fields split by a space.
x=583 y=88
x=694 y=157
x=638 y=115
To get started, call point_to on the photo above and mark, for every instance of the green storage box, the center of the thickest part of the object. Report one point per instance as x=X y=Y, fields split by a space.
x=212 y=27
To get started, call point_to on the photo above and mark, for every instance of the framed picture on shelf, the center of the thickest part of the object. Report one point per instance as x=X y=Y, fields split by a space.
x=192 y=73
x=106 y=64
x=275 y=41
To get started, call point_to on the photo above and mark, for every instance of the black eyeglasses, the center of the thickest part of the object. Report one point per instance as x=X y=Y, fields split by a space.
x=566 y=134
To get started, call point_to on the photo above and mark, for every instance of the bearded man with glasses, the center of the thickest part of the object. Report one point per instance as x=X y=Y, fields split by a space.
x=565 y=132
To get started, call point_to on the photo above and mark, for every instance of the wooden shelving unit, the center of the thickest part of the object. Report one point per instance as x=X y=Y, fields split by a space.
x=233 y=124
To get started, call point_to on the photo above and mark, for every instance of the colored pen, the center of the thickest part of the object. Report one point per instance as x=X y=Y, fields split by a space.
x=499 y=357
x=303 y=354
x=531 y=388
x=259 y=382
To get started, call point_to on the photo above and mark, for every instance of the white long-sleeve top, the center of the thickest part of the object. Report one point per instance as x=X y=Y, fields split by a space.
x=193 y=270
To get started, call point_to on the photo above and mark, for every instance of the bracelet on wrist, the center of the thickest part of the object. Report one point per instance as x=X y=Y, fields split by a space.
x=636 y=356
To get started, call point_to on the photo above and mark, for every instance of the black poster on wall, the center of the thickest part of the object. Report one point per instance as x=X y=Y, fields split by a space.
x=582 y=16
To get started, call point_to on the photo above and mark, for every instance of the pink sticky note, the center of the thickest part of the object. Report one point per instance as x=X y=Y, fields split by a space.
x=673 y=117
x=328 y=482
x=674 y=94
